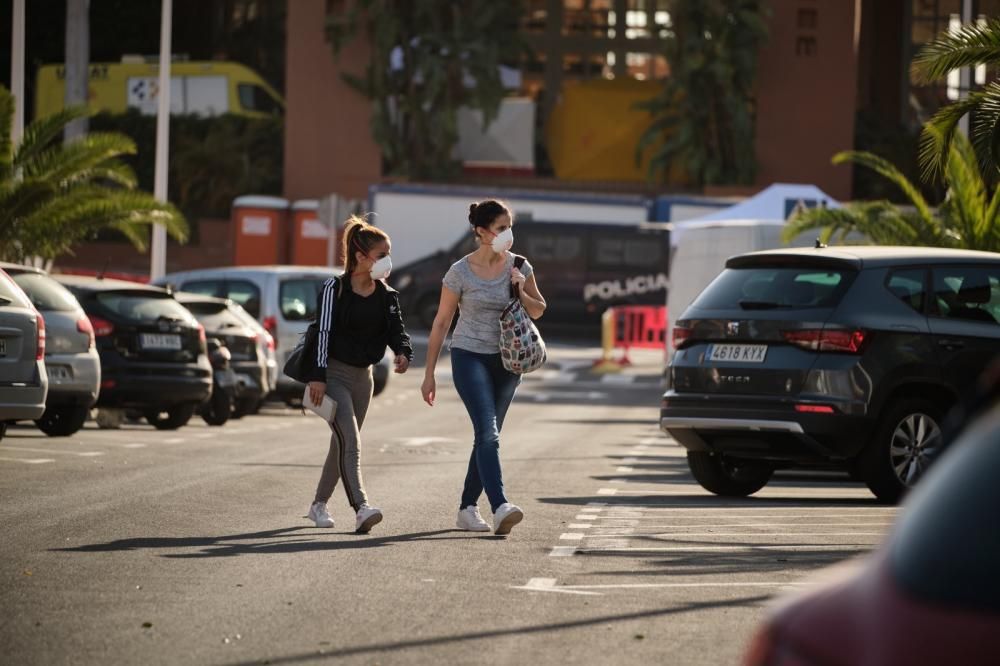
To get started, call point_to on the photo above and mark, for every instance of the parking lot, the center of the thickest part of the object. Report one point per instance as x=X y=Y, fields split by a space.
x=136 y=545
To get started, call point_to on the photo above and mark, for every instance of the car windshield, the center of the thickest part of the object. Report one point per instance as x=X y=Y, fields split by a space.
x=762 y=288
x=299 y=296
x=46 y=294
x=9 y=292
x=217 y=317
x=143 y=306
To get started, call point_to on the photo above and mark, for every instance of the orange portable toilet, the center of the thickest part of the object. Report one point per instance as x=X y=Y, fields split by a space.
x=260 y=227
x=310 y=237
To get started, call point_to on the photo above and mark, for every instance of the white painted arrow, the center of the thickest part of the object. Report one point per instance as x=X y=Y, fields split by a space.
x=549 y=585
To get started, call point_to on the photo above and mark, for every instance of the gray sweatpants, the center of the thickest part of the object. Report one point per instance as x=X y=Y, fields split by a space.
x=351 y=388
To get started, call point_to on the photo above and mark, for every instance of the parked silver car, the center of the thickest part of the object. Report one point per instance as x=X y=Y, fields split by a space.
x=23 y=382
x=71 y=359
x=282 y=298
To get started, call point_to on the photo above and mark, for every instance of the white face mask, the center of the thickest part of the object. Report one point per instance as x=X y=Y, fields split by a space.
x=503 y=241
x=381 y=268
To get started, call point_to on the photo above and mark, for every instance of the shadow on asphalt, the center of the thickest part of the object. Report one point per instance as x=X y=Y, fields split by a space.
x=325 y=655
x=220 y=546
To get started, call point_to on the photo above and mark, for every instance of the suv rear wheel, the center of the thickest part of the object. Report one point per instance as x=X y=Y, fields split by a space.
x=172 y=418
x=906 y=441
x=729 y=478
x=63 y=421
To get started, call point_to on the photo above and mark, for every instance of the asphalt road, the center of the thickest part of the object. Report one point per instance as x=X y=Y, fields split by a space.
x=144 y=547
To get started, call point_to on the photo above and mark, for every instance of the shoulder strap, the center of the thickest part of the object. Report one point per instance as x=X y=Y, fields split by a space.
x=518 y=262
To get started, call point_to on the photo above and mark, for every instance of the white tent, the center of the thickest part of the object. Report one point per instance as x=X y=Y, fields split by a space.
x=776 y=202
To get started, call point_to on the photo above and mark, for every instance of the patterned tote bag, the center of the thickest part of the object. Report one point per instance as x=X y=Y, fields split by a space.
x=522 y=349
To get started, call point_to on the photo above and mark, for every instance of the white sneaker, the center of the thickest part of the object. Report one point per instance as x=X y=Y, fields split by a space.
x=319 y=515
x=470 y=520
x=506 y=516
x=368 y=517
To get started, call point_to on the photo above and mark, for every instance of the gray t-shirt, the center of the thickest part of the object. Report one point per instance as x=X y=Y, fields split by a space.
x=480 y=303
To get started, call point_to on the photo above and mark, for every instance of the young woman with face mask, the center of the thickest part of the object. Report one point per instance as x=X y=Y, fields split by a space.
x=479 y=287
x=358 y=317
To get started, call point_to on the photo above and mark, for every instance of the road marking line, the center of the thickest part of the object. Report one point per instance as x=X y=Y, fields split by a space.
x=632 y=523
x=625 y=470
x=28 y=449
x=587 y=516
x=629 y=461
x=29 y=461
x=204 y=435
x=607 y=491
x=562 y=551
x=731 y=549
x=135 y=446
x=571 y=536
x=549 y=585
x=750 y=506
x=629 y=534
x=580 y=526
x=174 y=440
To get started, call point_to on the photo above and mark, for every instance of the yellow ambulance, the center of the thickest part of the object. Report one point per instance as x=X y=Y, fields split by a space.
x=208 y=88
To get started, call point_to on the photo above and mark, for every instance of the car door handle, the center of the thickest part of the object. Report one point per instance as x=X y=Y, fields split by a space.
x=948 y=343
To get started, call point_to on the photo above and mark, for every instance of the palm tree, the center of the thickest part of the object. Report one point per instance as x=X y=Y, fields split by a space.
x=969 y=217
x=52 y=195
x=973 y=44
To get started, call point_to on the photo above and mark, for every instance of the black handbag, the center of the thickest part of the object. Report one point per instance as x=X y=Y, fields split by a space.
x=300 y=364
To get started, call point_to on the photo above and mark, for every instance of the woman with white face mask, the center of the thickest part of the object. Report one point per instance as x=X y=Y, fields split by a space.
x=358 y=318
x=479 y=286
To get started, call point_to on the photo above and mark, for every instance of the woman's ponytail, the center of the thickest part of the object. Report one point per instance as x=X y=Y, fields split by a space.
x=359 y=236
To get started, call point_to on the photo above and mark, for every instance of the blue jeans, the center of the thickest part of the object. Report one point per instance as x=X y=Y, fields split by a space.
x=487 y=389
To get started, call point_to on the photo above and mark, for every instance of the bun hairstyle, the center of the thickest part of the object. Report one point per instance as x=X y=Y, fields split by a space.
x=485 y=213
x=359 y=236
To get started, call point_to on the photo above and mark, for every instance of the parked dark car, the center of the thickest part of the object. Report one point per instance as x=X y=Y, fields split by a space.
x=583 y=269
x=845 y=358
x=153 y=356
x=23 y=382
x=71 y=360
x=221 y=321
x=929 y=595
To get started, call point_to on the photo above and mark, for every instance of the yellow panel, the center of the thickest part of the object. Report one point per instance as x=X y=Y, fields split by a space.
x=593 y=131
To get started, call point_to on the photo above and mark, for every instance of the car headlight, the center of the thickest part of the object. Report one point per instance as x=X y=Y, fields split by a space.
x=403 y=281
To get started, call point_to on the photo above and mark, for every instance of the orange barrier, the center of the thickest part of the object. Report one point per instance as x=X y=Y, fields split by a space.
x=631 y=327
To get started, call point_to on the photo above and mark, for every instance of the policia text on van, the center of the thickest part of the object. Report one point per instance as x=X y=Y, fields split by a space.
x=201 y=88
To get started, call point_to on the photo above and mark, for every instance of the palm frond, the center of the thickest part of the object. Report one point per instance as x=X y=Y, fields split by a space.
x=887 y=170
x=986 y=130
x=935 y=140
x=39 y=135
x=966 y=196
x=972 y=44
x=69 y=163
x=6 y=122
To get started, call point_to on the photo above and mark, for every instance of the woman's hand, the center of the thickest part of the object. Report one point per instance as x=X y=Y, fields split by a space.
x=517 y=278
x=429 y=389
x=402 y=363
x=316 y=392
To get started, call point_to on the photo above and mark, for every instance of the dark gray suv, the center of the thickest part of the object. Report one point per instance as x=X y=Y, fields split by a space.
x=838 y=358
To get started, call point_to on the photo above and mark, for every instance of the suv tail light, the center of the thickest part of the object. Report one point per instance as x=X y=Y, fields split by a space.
x=833 y=340
x=271 y=326
x=40 y=353
x=83 y=325
x=101 y=327
x=680 y=336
